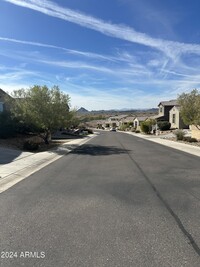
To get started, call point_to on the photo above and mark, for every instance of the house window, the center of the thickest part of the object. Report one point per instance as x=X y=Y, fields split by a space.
x=136 y=124
x=161 y=109
x=1 y=106
x=173 y=118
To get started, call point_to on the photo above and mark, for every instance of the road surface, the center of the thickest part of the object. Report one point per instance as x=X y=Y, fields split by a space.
x=118 y=200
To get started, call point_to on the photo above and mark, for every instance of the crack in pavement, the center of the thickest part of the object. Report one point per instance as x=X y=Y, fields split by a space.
x=167 y=206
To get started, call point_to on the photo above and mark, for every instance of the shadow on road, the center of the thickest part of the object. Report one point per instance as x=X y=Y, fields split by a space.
x=8 y=155
x=97 y=150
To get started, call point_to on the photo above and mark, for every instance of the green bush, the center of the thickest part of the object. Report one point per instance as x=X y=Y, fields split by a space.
x=123 y=128
x=137 y=131
x=29 y=145
x=7 y=126
x=25 y=128
x=190 y=139
x=179 y=134
x=145 y=127
x=164 y=125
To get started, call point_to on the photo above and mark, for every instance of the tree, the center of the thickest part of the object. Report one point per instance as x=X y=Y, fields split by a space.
x=190 y=108
x=73 y=121
x=147 y=125
x=46 y=109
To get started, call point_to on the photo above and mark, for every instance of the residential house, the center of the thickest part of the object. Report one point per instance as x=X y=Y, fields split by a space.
x=170 y=111
x=164 y=108
x=3 y=97
x=137 y=122
x=114 y=121
x=175 y=118
x=127 y=121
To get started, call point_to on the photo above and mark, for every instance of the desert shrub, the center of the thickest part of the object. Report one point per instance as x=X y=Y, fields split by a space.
x=190 y=139
x=137 y=131
x=30 y=145
x=145 y=127
x=179 y=134
x=123 y=128
x=164 y=125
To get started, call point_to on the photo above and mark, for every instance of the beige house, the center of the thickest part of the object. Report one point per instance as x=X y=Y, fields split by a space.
x=170 y=111
x=137 y=122
x=164 y=108
x=125 y=121
x=195 y=131
x=114 y=121
x=175 y=118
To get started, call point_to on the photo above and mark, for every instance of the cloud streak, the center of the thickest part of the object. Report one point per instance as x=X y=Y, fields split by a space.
x=31 y=43
x=69 y=51
x=170 y=48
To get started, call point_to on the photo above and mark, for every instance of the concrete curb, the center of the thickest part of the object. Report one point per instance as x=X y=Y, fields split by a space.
x=173 y=144
x=24 y=166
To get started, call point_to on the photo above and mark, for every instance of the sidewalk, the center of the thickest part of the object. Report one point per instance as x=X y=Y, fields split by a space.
x=194 y=150
x=16 y=165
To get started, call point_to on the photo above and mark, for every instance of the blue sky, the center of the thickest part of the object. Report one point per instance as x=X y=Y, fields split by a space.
x=106 y=54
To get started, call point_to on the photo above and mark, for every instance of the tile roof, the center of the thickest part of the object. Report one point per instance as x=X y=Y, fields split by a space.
x=169 y=103
x=141 y=118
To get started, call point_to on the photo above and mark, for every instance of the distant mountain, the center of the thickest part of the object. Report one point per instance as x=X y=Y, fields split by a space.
x=82 y=111
x=124 y=111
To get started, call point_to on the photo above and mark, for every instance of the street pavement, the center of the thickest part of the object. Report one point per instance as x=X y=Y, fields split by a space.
x=16 y=165
x=165 y=141
x=117 y=200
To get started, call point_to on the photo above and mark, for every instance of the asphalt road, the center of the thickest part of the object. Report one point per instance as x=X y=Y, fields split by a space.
x=118 y=200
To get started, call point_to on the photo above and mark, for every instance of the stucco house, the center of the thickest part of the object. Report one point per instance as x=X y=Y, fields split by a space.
x=164 y=108
x=125 y=121
x=137 y=122
x=175 y=118
x=3 y=105
x=170 y=111
x=114 y=121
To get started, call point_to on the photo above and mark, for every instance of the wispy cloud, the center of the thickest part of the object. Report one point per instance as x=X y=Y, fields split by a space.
x=170 y=48
x=77 y=65
x=16 y=74
x=129 y=68
x=92 y=55
x=132 y=75
x=120 y=79
x=31 y=43
x=69 y=51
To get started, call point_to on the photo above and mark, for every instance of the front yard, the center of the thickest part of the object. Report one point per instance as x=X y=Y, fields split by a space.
x=18 y=142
